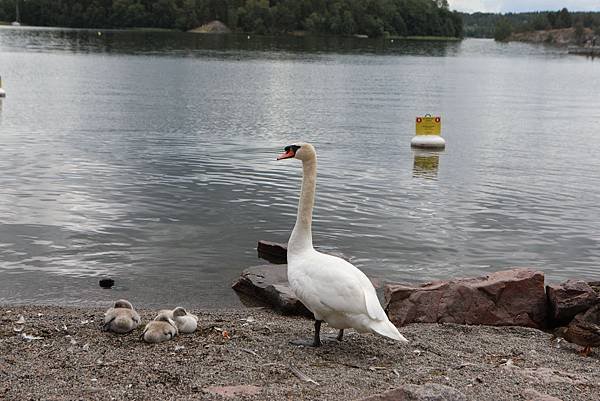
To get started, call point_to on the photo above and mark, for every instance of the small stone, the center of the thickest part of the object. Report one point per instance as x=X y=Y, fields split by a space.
x=233 y=391
x=107 y=282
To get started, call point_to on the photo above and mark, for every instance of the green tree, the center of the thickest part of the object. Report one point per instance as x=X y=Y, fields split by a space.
x=503 y=30
x=399 y=25
x=540 y=22
x=186 y=17
x=564 y=19
x=373 y=17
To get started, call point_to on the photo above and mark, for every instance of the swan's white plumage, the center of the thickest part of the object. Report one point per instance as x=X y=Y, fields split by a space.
x=333 y=289
x=121 y=318
x=338 y=293
x=185 y=321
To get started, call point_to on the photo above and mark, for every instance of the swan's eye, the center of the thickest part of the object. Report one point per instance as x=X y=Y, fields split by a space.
x=289 y=152
x=293 y=148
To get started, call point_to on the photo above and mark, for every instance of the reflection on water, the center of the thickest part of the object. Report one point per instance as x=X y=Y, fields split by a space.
x=150 y=157
x=426 y=163
x=200 y=45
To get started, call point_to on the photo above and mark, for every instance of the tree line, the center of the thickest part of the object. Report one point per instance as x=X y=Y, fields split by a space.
x=500 y=26
x=338 y=17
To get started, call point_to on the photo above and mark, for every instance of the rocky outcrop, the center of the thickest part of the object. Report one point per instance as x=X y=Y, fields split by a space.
x=558 y=37
x=506 y=298
x=424 y=392
x=569 y=298
x=595 y=286
x=274 y=252
x=268 y=284
x=212 y=27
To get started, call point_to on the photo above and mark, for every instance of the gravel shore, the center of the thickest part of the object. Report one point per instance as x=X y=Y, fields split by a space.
x=70 y=358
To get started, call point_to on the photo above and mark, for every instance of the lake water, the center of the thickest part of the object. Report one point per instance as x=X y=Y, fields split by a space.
x=150 y=158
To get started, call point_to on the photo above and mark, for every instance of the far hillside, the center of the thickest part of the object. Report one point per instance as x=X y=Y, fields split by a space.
x=502 y=26
x=374 y=18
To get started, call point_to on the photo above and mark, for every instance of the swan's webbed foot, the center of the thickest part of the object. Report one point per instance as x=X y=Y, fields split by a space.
x=333 y=337
x=316 y=341
x=305 y=343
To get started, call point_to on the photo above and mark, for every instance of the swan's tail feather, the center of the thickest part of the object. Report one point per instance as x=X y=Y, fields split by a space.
x=387 y=329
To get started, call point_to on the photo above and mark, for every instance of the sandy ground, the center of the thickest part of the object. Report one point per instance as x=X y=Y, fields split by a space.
x=71 y=358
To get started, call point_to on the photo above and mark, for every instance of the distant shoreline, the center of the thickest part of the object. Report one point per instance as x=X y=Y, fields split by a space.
x=289 y=34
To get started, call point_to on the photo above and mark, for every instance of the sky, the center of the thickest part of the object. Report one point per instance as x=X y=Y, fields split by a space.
x=504 y=6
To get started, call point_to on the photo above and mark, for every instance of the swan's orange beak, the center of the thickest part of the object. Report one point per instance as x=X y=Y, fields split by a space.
x=286 y=155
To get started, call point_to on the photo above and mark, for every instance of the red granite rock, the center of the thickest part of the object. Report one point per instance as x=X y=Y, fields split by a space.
x=233 y=391
x=570 y=298
x=513 y=297
x=424 y=392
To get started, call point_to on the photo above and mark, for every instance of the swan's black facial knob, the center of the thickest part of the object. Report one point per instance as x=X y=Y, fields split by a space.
x=289 y=152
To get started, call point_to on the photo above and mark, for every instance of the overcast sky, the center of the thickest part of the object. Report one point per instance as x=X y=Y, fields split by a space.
x=504 y=6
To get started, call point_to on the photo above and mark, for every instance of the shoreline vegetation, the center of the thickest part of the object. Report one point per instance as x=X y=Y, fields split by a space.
x=559 y=28
x=298 y=34
x=374 y=18
x=60 y=353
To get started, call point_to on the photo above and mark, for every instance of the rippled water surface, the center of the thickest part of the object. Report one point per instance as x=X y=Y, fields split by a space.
x=150 y=157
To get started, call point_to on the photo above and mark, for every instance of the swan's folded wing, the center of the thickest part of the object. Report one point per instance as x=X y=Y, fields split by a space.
x=374 y=308
x=341 y=287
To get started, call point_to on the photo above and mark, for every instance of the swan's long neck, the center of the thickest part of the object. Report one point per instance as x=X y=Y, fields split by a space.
x=301 y=238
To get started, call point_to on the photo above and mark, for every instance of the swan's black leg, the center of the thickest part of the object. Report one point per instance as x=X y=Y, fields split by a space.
x=316 y=341
x=340 y=335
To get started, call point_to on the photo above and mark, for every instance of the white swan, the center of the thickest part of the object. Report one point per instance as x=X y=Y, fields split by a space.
x=334 y=290
x=185 y=321
x=121 y=318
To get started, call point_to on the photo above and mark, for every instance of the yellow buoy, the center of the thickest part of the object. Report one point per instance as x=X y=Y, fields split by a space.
x=2 y=92
x=428 y=133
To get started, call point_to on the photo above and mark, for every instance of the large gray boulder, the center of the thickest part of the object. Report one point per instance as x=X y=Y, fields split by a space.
x=570 y=298
x=424 y=392
x=268 y=284
x=274 y=252
x=513 y=297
